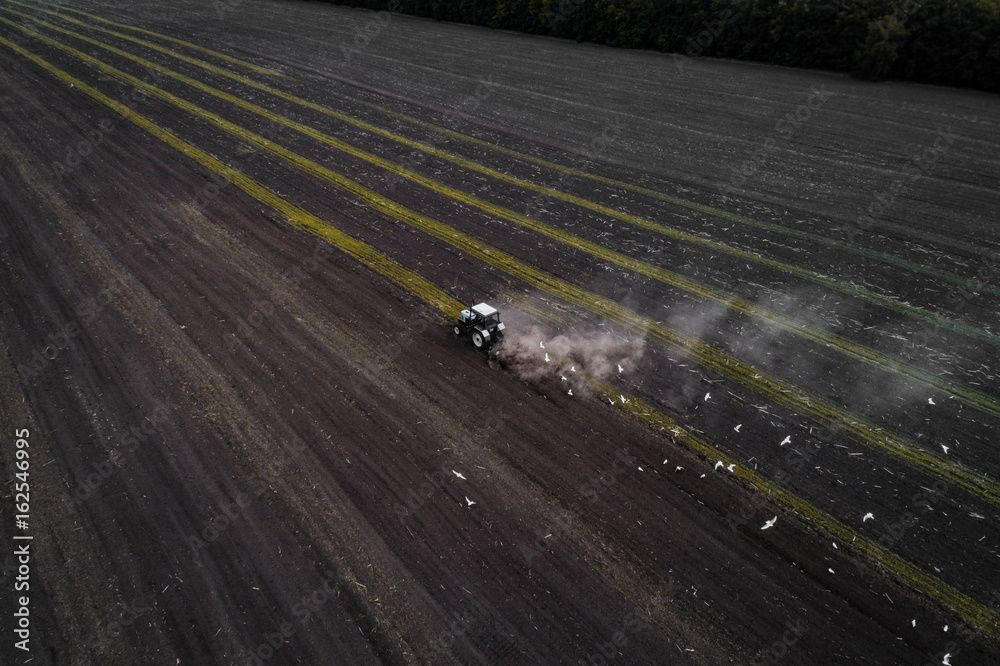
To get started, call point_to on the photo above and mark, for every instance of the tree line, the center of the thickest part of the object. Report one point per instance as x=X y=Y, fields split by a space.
x=944 y=42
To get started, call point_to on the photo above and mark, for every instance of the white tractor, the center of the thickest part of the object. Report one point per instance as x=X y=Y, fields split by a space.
x=482 y=324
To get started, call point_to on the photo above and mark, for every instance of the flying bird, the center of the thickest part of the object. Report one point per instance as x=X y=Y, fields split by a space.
x=731 y=466
x=769 y=524
x=718 y=464
x=679 y=468
x=867 y=516
x=546 y=357
x=945 y=658
x=930 y=401
x=458 y=474
x=737 y=428
x=469 y=501
x=786 y=440
x=571 y=391
x=707 y=396
x=913 y=623
x=562 y=378
x=945 y=448
x=572 y=368
x=541 y=345
x=620 y=369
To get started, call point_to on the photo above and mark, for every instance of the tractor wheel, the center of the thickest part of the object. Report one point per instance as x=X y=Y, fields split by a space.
x=457 y=330
x=477 y=340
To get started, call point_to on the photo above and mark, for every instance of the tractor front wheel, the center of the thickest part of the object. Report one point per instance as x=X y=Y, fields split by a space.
x=457 y=330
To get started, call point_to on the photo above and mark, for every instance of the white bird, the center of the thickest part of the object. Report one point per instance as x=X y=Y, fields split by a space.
x=611 y=401
x=469 y=501
x=702 y=476
x=541 y=345
x=770 y=523
x=835 y=546
x=562 y=378
x=620 y=369
x=945 y=658
x=930 y=401
x=731 y=466
x=571 y=391
x=945 y=448
x=664 y=461
x=718 y=464
x=624 y=399
x=832 y=571
x=786 y=440
x=458 y=474
x=737 y=428
x=572 y=368
x=707 y=396
x=946 y=628
x=546 y=357
x=640 y=469
x=867 y=516
x=679 y=468
x=913 y=623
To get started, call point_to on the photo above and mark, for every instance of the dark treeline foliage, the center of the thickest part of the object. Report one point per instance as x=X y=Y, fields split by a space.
x=946 y=42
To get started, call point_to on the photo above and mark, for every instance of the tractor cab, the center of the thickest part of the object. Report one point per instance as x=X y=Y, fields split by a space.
x=482 y=324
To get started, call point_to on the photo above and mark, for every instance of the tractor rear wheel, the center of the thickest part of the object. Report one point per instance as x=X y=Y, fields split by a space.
x=477 y=340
